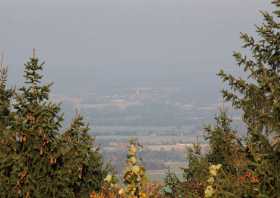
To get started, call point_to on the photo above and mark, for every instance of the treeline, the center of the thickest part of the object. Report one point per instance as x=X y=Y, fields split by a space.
x=37 y=159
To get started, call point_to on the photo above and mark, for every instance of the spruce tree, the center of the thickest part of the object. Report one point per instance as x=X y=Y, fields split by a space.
x=197 y=163
x=5 y=97
x=82 y=160
x=258 y=97
x=6 y=143
x=36 y=160
x=36 y=126
x=224 y=145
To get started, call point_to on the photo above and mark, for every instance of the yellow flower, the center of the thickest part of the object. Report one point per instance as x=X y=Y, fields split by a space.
x=136 y=169
x=132 y=150
x=219 y=166
x=211 y=180
x=209 y=192
x=108 y=178
x=132 y=160
x=121 y=191
x=143 y=195
x=213 y=169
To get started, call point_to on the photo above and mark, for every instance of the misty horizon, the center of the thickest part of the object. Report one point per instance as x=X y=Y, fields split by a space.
x=105 y=45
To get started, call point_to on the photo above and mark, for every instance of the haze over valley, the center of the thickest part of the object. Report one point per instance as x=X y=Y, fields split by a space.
x=133 y=68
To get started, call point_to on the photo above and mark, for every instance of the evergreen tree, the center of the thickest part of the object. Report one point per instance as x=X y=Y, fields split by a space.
x=36 y=126
x=6 y=144
x=36 y=160
x=250 y=168
x=258 y=97
x=224 y=145
x=197 y=163
x=196 y=171
x=82 y=160
x=5 y=97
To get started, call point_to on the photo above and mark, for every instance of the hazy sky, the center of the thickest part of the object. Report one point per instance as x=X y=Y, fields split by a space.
x=106 y=43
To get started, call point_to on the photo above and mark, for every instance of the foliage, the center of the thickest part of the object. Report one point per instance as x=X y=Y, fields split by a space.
x=213 y=172
x=151 y=189
x=5 y=97
x=197 y=163
x=76 y=143
x=134 y=177
x=225 y=147
x=36 y=160
x=171 y=188
x=193 y=174
x=135 y=183
x=250 y=167
x=258 y=98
